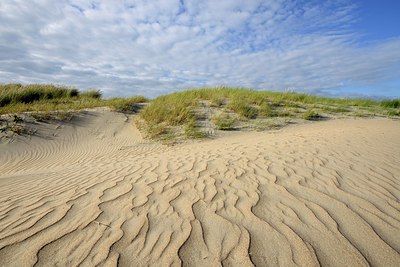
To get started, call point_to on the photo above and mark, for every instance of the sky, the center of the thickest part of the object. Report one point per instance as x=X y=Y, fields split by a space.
x=338 y=48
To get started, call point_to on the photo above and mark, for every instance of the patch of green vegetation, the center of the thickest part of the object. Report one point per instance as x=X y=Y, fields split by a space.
x=193 y=131
x=266 y=110
x=177 y=114
x=14 y=125
x=243 y=108
x=52 y=116
x=42 y=116
x=334 y=109
x=17 y=93
x=179 y=108
x=217 y=101
x=311 y=115
x=361 y=114
x=91 y=93
x=395 y=103
x=275 y=123
x=393 y=113
x=127 y=105
x=225 y=122
x=175 y=109
x=282 y=113
x=17 y=98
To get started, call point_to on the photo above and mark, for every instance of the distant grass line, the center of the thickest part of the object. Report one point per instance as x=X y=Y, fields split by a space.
x=17 y=98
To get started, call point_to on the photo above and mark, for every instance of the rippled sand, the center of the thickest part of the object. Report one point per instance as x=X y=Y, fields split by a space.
x=92 y=192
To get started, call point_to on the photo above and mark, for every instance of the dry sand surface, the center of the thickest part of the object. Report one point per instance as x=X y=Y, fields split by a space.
x=93 y=192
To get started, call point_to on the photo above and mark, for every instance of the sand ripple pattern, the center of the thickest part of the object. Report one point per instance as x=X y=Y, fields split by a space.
x=322 y=194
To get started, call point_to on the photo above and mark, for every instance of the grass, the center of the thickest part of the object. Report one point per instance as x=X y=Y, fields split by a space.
x=179 y=114
x=53 y=116
x=193 y=131
x=17 y=93
x=91 y=93
x=311 y=115
x=14 y=125
x=243 y=107
x=395 y=103
x=17 y=98
x=225 y=122
x=179 y=109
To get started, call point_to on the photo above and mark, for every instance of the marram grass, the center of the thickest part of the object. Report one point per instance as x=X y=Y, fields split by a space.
x=179 y=113
x=17 y=98
x=180 y=108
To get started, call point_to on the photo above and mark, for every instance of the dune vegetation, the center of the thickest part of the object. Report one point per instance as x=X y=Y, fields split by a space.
x=194 y=113
x=17 y=98
x=222 y=108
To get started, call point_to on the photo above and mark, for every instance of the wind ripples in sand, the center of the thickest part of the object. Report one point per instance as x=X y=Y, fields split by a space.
x=308 y=196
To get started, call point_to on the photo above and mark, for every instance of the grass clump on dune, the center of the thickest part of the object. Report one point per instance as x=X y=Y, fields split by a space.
x=17 y=98
x=225 y=122
x=395 y=103
x=91 y=93
x=311 y=115
x=17 y=93
x=243 y=108
x=192 y=130
x=174 y=109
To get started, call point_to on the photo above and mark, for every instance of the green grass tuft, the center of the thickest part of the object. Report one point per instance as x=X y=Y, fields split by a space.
x=192 y=130
x=225 y=122
x=243 y=108
x=91 y=93
x=311 y=115
x=17 y=98
x=391 y=103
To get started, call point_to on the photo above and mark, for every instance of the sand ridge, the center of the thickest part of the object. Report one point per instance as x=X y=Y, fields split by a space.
x=96 y=193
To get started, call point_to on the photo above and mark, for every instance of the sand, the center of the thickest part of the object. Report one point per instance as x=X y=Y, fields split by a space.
x=93 y=192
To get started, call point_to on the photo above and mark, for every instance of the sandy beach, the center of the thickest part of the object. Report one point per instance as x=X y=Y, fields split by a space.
x=93 y=192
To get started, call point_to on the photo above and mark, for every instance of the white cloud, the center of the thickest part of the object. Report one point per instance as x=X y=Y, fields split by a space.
x=152 y=47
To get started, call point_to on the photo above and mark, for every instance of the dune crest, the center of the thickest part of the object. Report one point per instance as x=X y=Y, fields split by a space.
x=95 y=193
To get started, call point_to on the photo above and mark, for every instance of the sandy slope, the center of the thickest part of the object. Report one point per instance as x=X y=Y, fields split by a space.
x=93 y=192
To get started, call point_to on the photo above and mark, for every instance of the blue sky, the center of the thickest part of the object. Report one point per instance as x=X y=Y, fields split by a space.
x=127 y=47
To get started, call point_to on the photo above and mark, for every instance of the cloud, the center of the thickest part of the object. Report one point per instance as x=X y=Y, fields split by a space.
x=153 y=47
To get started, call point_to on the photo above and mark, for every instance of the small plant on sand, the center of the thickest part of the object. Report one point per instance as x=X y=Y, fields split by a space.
x=51 y=116
x=17 y=118
x=64 y=115
x=217 y=101
x=192 y=130
x=393 y=113
x=311 y=115
x=243 y=108
x=395 y=103
x=42 y=116
x=17 y=129
x=156 y=131
x=91 y=93
x=128 y=105
x=266 y=110
x=225 y=122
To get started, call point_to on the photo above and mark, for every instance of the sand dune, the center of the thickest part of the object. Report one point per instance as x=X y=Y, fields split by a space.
x=93 y=192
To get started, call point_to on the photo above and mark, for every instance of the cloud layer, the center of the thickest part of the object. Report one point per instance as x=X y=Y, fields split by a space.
x=153 y=47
